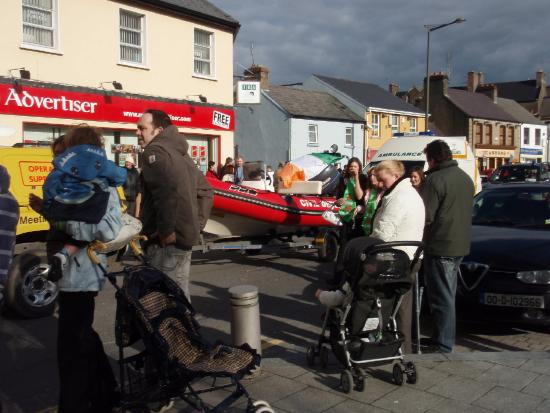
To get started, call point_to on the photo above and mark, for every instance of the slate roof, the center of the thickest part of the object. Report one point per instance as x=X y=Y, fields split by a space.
x=198 y=8
x=518 y=112
x=477 y=105
x=520 y=91
x=545 y=109
x=369 y=94
x=309 y=104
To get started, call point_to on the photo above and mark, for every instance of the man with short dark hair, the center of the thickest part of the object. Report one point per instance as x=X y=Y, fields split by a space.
x=448 y=197
x=176 y=198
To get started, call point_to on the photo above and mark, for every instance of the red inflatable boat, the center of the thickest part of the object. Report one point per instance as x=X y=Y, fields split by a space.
x=244 y=211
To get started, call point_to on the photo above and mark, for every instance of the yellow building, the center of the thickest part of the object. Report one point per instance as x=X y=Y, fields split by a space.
x=105 y=62
x=384 y=113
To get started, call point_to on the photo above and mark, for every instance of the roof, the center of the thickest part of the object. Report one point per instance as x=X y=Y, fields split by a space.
x=369 y=94
x=477 y=105
x=308 y=104
x=518 y=112
x=545 y=108
x=198 y=8
x=520 y=90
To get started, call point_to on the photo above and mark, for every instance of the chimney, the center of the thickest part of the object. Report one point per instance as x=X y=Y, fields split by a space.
x=474 y=80
x=489 y=90
x=541 y=79
x=258 y=73
x=439 y=84
x=393 y=88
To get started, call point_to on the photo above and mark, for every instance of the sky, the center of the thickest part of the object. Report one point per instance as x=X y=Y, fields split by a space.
x=385 y=41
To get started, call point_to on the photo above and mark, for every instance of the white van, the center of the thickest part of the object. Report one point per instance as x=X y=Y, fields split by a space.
x=410 y=151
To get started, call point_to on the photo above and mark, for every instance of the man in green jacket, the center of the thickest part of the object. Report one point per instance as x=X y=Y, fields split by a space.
x=448 y=197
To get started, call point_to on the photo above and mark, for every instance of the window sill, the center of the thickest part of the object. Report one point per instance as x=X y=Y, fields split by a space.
x=133 y=65
x=37 y=48
x=349 y=146
x=313 y=144
x=213 y=79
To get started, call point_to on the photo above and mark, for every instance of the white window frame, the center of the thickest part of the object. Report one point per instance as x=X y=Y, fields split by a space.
x=394 y=126
x=375 y=125
x=315 y=132
x=143 y=32
x=55 y=29
x=349 y=133
x=414 y=122
x=212 y=74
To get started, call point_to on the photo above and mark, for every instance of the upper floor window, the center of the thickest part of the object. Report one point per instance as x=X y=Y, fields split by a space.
x=537 y=137
x=132 y=37
x=40 y=23
x=412 y=126
x=349 y=136
x=394 y=123
x=375 y=125
x=313 y=138
x=526 y=136
x=203 y=65
x=477 y=132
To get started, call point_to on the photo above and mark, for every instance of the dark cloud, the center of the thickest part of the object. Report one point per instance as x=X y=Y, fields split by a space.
x=385 y=41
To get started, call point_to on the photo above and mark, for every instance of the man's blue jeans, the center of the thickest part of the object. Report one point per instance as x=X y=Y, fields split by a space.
x=440 y=277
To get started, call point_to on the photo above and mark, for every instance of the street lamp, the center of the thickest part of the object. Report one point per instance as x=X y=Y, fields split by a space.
x=430 y=28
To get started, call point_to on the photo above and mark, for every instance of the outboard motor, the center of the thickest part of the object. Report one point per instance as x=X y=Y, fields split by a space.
x=330 y=177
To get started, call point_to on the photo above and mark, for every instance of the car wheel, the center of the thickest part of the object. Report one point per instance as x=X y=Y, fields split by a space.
x=29 y=292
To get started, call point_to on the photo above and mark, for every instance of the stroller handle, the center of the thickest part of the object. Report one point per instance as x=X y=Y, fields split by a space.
x=100 y=247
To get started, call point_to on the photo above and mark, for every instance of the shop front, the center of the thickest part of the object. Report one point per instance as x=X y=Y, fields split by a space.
x=41 y=112
x=531 y=154
x=488 y=159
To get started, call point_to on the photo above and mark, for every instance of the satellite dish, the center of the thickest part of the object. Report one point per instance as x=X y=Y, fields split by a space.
x=6 y=131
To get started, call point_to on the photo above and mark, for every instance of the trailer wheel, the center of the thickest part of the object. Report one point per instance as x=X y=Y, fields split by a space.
x=328 y=251
x=28 y=292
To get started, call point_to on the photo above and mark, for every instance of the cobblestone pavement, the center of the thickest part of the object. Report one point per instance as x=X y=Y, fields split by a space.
x=488 y=372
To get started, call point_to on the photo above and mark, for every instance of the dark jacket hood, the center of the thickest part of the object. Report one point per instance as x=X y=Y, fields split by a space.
x=171 y=138
x=442 y=165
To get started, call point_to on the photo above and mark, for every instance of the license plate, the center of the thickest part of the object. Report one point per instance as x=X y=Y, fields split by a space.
x=509 y=300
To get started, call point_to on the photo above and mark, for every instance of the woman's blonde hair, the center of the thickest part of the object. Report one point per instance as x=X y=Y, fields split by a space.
x=393 y=167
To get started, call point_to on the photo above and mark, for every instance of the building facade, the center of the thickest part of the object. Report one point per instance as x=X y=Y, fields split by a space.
x=113 y=60
x=384 y=113
x=290 y=122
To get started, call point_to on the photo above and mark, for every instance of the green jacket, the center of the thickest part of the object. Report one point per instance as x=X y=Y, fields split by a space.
x=448 y=196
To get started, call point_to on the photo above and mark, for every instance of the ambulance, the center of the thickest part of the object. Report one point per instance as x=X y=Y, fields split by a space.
x=28 y=291
x=409 y=149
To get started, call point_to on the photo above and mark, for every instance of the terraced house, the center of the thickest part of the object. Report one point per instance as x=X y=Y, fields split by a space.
x=384 y=113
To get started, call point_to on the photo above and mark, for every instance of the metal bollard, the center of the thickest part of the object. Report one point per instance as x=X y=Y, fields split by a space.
x=245 y=317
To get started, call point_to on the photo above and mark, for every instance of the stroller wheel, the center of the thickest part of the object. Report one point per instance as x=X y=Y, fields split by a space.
x=323 y=357
x=411 y=372
x=346 y=381
x=310 y=355
x=260 y=403
x=264 y=409
x=163 y=407
x=360 y=379
x=397 y=374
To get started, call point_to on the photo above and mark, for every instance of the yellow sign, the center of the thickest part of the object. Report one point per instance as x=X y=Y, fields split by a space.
x=494 y=153
x=34 y=173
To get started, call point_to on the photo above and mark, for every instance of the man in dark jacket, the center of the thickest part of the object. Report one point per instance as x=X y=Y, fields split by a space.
x=176 y=198
x=448 y=196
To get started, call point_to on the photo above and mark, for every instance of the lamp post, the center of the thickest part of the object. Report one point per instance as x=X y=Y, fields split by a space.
x=430 y=28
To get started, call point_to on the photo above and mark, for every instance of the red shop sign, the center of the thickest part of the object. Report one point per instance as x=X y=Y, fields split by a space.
x=35 y=101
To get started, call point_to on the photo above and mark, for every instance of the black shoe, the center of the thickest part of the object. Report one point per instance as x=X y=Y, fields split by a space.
x=56 y=269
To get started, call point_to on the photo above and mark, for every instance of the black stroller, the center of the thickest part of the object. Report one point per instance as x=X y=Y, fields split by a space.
x=363 y=330
x=154 y=315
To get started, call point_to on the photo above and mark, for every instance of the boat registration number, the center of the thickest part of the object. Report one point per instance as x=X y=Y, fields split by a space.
x=513 y=300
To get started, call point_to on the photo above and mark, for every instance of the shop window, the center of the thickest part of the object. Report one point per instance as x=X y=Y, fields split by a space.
x=526 y=136
x=477 y=133
x=349 y=136
x=537 y=137
x=203 y=53
x=313 y=138
x=40 y=23
x=413 y=128
x=375 y=125
x=42 y=133
x=132 y=37
x=394 y=124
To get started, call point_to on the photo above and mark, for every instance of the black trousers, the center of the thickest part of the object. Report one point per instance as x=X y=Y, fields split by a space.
x=86 y=380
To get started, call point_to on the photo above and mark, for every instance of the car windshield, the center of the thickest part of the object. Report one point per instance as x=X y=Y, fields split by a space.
x=517 y=207
x=516 y=173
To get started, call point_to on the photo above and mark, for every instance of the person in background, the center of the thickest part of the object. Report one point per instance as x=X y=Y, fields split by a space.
x=229 y=174
x=228 y=162
x=132 y=186
x=239 y=170
x=417 y=177
x=448 y=193
x=9 y=217
x=211 y=173
x=371 y=199
x=400 y=217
